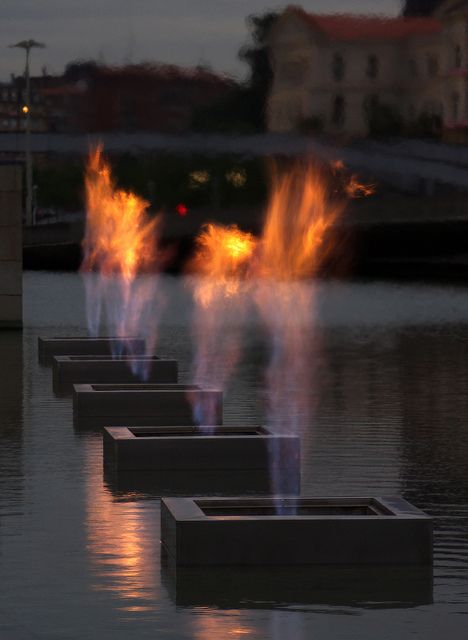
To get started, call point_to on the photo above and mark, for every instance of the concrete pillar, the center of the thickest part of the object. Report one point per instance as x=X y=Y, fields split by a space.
x=11 y=247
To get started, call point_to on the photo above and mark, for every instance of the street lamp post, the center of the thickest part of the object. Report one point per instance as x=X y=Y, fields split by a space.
x=27 y=45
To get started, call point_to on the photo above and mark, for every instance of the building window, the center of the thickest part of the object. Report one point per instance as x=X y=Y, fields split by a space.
x=338 y=67
x=372 y=67
x=457 y=56
x=413 y=66
x=428 y=108
x=338 y=111
x=296 y=71
x=292 y=72
x=371 y=102
x=432 y=65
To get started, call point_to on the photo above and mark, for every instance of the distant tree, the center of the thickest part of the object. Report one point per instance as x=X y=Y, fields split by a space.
x=420 y=7
x=255 y=55
x=80 y=70
x=243 y=109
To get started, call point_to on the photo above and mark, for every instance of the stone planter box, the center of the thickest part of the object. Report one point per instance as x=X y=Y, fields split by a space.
x=199 y=449
x=70 y=370
x=50 y=347
x=295 y=531
x=109 y=405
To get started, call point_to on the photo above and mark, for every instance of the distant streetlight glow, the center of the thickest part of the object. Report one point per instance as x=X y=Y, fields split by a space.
x=27 y=45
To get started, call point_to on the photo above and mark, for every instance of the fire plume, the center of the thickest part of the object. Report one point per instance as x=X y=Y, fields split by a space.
x=274 y=270
x=298 y=215
x=221 y=262
x=355 y=189
x=121 y=252
x=120 y=236
x=352 y=187
x=222 y=259
x=303 y=206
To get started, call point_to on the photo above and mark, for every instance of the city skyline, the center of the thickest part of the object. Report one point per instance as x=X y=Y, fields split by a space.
x=116 y=32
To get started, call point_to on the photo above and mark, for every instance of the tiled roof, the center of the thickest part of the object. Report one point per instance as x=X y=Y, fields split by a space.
x=368 y=27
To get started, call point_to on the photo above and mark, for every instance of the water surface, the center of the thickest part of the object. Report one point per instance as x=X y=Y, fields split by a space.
x=80 y=556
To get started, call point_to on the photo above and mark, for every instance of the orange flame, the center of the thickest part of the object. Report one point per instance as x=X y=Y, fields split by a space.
x=120 y=236
x=303 y=206
x=355 y=189
x=222 y=256
x=222 y=259
x=299 y=213
x=352 y=187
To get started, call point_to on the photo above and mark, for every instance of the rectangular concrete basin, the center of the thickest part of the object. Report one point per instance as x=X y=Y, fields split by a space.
x=115 y=405
x=199 y=448
x=295 y=531
x=70 y=370
x=76 y=346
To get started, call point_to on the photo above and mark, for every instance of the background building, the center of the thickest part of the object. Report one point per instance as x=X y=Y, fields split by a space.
x=353 y=75
x=91 y=97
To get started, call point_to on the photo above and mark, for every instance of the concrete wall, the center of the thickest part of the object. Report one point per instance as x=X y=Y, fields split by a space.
x=11 y=268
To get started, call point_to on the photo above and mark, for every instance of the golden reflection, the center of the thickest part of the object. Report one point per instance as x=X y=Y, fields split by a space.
x=121 y=542
x=214 y=626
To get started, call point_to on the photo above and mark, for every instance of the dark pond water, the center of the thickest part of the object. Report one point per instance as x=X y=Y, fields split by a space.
x=80 y=556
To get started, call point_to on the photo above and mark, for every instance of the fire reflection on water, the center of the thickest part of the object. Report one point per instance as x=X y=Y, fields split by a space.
x=217 y=625
x=121 y=544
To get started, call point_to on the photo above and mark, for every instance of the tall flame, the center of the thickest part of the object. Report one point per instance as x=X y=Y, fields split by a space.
x=276 y=271
x=120 y=236
x=222 y=261
x=300 y=212
x=120 y=248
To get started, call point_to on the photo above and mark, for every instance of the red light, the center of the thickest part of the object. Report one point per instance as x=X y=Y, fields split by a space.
x=182 y=209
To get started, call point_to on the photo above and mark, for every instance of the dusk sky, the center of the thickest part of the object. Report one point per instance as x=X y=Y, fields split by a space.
x=185 y=32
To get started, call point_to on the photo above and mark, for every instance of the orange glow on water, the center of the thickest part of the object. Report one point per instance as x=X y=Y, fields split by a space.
x=119 y=542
